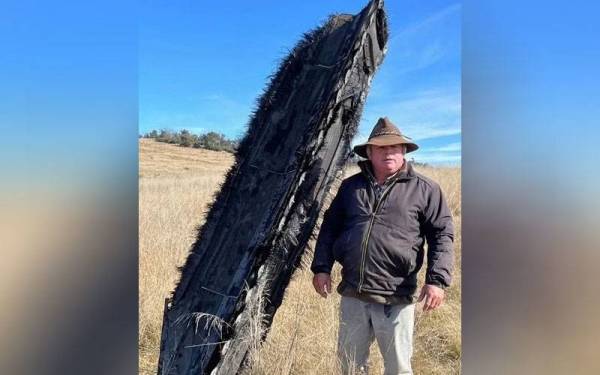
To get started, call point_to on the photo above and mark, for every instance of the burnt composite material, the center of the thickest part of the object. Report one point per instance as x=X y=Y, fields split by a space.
x=296 y=144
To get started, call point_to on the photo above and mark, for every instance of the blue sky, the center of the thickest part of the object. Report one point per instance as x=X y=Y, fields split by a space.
x=203 y=65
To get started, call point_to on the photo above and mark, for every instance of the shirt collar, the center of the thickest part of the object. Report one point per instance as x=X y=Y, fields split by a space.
x=404 y=172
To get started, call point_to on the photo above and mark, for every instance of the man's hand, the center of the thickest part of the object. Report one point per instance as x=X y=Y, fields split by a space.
x=433 y=295
x=322 y=284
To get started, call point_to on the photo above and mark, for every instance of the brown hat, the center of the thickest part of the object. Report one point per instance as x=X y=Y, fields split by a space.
x=385 y=134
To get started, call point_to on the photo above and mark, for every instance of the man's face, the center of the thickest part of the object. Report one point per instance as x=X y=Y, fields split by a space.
x=386 y=160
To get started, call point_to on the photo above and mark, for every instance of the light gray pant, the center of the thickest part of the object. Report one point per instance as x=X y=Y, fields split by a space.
x=392 y=326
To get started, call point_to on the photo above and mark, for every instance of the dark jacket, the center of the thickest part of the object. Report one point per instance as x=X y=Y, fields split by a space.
x=378 y=235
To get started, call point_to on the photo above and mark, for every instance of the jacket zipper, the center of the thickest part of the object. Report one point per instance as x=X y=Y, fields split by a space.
x=365 y=241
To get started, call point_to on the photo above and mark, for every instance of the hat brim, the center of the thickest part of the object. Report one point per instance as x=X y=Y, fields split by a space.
x=385 y=140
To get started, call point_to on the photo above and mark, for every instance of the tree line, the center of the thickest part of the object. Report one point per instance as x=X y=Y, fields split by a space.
x=210 y=141
x=217 y=142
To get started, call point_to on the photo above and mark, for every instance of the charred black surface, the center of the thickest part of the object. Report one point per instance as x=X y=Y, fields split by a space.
x=296 y=144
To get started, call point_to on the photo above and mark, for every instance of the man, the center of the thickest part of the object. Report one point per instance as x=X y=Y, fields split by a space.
x=376 y=227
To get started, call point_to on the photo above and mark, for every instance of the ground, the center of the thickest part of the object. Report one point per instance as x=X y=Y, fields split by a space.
x=175 y=186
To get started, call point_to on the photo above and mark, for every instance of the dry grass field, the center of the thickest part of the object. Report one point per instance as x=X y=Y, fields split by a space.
x=177 y=183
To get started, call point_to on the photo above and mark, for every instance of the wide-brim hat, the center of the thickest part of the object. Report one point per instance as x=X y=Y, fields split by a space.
x=385 y=133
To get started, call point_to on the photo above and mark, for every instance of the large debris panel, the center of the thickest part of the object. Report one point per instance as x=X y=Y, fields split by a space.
x=296 y=144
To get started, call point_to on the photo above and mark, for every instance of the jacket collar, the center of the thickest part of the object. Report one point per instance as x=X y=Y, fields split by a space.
x=405 y=173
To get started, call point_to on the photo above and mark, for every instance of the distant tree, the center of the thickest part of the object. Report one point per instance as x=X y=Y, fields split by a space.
x=187 y=139
x=167 y=136
x=210 y=141
x=419 y=164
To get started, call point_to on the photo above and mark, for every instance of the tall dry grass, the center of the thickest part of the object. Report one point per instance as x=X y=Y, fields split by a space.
x=175 y=186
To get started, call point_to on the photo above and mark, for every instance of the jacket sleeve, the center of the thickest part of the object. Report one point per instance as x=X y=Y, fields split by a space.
x=331 y=227
x=439 y=232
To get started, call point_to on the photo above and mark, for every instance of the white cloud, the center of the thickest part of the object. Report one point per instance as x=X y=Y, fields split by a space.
x=446 y=154
x=435 y=157
x=420 y=132
x=424 y=43
x=426 y=23
x=419 y=57
x=452 y=147
x=424 y=115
